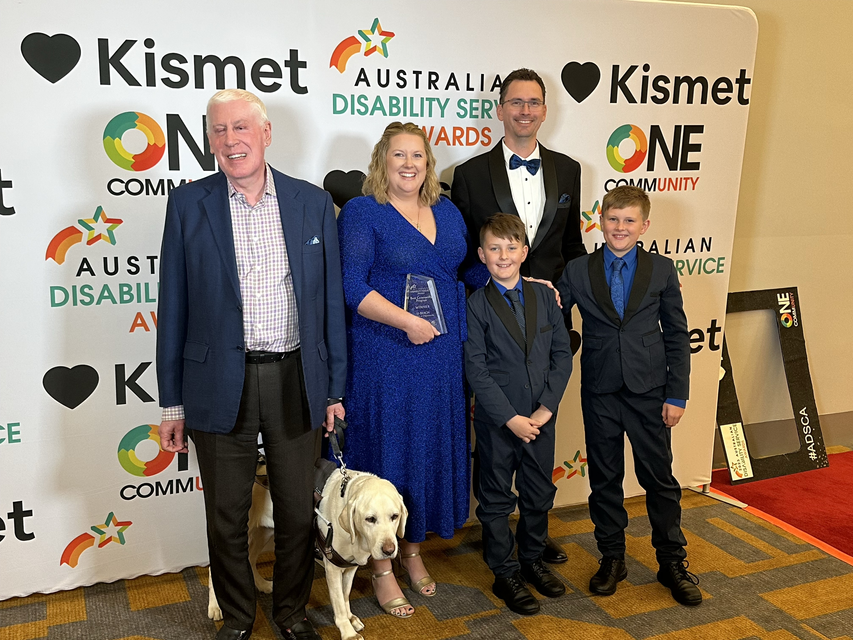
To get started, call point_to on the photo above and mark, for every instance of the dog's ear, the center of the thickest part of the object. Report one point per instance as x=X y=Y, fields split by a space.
x=404 y=516
x=347 y=518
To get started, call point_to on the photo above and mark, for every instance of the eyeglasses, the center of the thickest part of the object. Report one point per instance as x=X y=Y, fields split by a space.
x=518 y=103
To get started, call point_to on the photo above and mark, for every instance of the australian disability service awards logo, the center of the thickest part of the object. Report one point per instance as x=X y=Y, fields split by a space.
x=423 y=96
x=111 y=530
x=103 y=229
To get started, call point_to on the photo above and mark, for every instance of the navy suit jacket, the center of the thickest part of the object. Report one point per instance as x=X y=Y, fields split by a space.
x=481 y=189
x=200 y=342
x=650 y=346
x=510 y=375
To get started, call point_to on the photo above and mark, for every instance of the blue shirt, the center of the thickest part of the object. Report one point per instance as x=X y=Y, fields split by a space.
x=503 y=290
x=628 y=273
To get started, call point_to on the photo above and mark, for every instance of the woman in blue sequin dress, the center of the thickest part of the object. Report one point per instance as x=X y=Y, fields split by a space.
x=405 y=399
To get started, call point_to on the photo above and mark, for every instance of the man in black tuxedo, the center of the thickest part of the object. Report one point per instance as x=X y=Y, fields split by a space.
x=521 y=177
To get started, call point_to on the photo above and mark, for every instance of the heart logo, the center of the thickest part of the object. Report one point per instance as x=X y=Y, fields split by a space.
x=52 y=57
x=343 y=186
x=580 y=80
x=70 y=387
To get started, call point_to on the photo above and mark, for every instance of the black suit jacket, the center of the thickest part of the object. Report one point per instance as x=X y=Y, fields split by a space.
x=509 y=374
x=481 y=188
x=650 y=346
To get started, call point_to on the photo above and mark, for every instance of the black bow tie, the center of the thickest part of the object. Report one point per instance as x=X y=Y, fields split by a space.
x=532 y=165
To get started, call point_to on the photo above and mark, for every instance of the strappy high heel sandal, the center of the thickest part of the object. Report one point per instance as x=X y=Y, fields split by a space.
x=421 y=584
x=394 y=603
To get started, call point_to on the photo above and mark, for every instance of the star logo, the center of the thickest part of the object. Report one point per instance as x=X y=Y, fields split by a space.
x=375 y=39
x=570 y=469
x=577 y=466
x=589 y=221
x=100 y=227
x=111 y=530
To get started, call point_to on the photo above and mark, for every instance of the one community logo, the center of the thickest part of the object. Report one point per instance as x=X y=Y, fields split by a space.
x=374 y=40
x=132 y=120
x=580 y=79
x=131 y=463
x=98 y=227
x=52 y=57
x=112 y=530
x=637 y=137
x=568 y=469
x=787 y=310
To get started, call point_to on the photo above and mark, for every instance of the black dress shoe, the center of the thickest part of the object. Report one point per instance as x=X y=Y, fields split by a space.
x=516 y=595
x=681 y=583
x=611 y=572
x=227 y=633
x=553 y=553
x=541 y=577
x=302 y=630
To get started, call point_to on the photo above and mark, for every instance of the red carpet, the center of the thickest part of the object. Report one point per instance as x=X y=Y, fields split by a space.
x=819 y=502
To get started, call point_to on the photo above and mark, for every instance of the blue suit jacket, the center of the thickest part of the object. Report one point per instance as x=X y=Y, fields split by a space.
x=200 y=343
x=511 y=374
x=650 y=346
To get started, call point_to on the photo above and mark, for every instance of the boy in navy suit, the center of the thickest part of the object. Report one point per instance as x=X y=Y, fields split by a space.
x=518 y=360
x=635 y=377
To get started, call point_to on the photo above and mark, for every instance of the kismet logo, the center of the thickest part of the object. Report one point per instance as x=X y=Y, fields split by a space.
x=128 y=64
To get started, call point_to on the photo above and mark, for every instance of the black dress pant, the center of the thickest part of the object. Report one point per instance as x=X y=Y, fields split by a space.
x=502 y=456
x=273 y=404
x=607 y=419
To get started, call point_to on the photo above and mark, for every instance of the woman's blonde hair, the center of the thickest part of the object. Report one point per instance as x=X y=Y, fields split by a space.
x=376 y=182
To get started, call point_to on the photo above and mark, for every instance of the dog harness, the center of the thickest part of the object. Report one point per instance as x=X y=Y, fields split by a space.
x=324 y=533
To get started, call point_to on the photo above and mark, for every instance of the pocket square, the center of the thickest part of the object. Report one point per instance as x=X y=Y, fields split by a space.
x=565 y=198
x=314 y=240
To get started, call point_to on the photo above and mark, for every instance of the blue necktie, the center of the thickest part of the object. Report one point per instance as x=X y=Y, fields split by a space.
x=617 y=286
x=517 y=308
x=532 y=165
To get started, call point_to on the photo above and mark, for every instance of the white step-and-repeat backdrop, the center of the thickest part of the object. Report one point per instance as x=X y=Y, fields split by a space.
x=102 y=116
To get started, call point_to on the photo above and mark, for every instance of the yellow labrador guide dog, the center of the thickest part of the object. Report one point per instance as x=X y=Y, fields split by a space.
x=359 y=516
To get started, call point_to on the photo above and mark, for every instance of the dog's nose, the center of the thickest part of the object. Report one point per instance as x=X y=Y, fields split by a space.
x=388 y=548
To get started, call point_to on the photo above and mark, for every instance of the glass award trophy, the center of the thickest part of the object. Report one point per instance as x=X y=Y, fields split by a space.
x=422 y=300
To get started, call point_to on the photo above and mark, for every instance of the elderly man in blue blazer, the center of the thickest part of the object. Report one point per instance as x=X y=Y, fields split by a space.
x=251 y=340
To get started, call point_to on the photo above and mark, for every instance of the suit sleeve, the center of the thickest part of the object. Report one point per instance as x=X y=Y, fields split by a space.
x=172 y=309
x=336 y=337
x=573 y=246
x=561 y=358
x=564 y=287
x=490 y=397
x=676 y=339
x=472 y=271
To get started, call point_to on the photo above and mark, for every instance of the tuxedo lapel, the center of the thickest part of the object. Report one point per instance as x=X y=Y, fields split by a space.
x=642 y=278
x=216 y=207
x=549 y=178
x=292 y=212
x=598 y=282
x=500 y=180
x=530 y=313
x=503 y=311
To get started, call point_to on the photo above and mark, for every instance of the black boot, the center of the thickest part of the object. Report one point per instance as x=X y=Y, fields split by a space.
x=611 y=572
x=681 y=582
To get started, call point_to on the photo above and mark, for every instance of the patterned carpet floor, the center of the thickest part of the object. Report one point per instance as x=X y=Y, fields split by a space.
x=758 y=582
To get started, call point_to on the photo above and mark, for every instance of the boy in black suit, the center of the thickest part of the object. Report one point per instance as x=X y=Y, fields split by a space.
x=518 y=360
x=635 y=377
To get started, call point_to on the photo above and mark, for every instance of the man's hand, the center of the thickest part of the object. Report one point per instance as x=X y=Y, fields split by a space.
x=172 y=436
x=548 y=284
x=671 y=414
x=332 y=411
x=525 y=428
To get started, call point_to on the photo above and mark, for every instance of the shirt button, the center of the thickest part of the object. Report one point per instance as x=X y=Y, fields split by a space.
x=527 y=386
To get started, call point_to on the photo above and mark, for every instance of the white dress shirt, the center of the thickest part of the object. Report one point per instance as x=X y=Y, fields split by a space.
x=528 y=192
